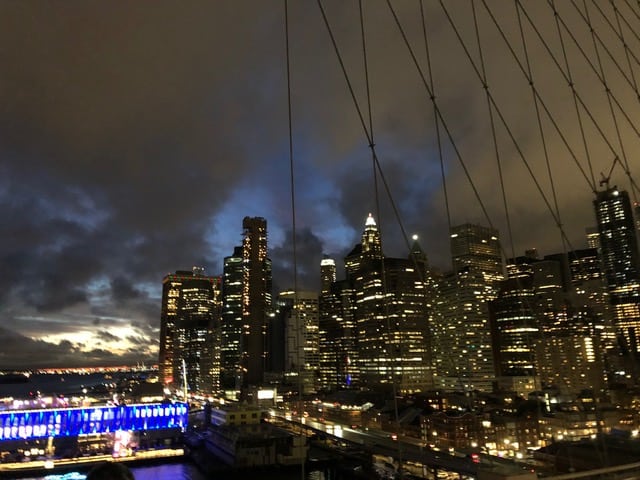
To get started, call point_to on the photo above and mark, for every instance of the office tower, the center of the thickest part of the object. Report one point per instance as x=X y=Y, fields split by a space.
x=338 y=342
x=593 y=238
x=302 y=346
x=564 y=296
x=328 y=331
x=277 y=340
x=327 y=274
x=370 y=248
x=588 y=293
x=514 y=328
x=392 y=314
x=232 y=283
x=590 y=298
x=621 y=263
x=477 y=248
x=190 y=331
x=463 y=354
x=569 y=355
x=256 y=298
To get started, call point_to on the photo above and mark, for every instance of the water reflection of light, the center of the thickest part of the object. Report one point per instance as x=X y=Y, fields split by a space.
x=67 y=476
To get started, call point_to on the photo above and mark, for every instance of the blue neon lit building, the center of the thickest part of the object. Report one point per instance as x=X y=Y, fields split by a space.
x=71 y=422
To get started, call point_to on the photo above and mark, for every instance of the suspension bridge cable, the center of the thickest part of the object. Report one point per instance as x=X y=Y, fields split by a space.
x=366 y=75
x=627 y=52
x=452 y=365
x=525 y=303
x=363 y=123
x=441 y=117
x=291 y=162
x=539 y=122
x=595 y=71
x=376 y=162
x=568 y=75
x=496 y=147
x=504 y=121
x=603 y=75
x=587 y=17
x=574 y=95
x=619 y=33
x=369 y=114
x=624 y=20
x=436 y=118
x=537 y=94
x=633 y=10
x=492 y=123
x=569 y=81
x=597 y=40
x=296 y=306
x=543 y=328
x=395 y=342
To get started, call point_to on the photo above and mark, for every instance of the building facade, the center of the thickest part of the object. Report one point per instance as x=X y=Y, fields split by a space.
x=302 y=347
x=256 y=299
x=392 y=314
x=621 y=264
x=190 y=336
x=338 y=337
x=463 y=352
x=232 y=291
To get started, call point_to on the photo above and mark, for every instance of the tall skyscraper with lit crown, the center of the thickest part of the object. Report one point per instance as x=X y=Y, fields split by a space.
x=392 y=313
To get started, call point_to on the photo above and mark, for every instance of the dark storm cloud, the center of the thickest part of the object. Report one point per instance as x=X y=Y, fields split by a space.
x=308 y=253
x=22 y=352
x=123 y=290
x=141 y=341
x=106 y=336
x=134 y=137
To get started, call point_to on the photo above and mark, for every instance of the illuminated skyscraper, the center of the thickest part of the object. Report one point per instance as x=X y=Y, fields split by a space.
x=514 y=326
x=392 y=314
x=478 y=248
x=233 y=274
x=190 y=331
x=327 y=274
x=370 y=248
x=593 y=237
x=549 y=324
x=331 y=333
x=338 y=337
x=463 y=353
x=256 y=298
x=302 y=346
x=621 y=262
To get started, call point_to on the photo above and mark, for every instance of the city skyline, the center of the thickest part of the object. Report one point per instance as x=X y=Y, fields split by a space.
x=133 y=142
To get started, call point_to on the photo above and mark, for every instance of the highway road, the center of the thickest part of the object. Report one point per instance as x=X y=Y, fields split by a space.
x=379 y=442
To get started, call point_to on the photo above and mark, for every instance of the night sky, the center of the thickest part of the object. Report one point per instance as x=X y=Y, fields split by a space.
x=135 y=136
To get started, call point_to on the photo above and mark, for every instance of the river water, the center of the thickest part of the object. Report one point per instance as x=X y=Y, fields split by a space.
x=187 y=471
x=64 y=384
